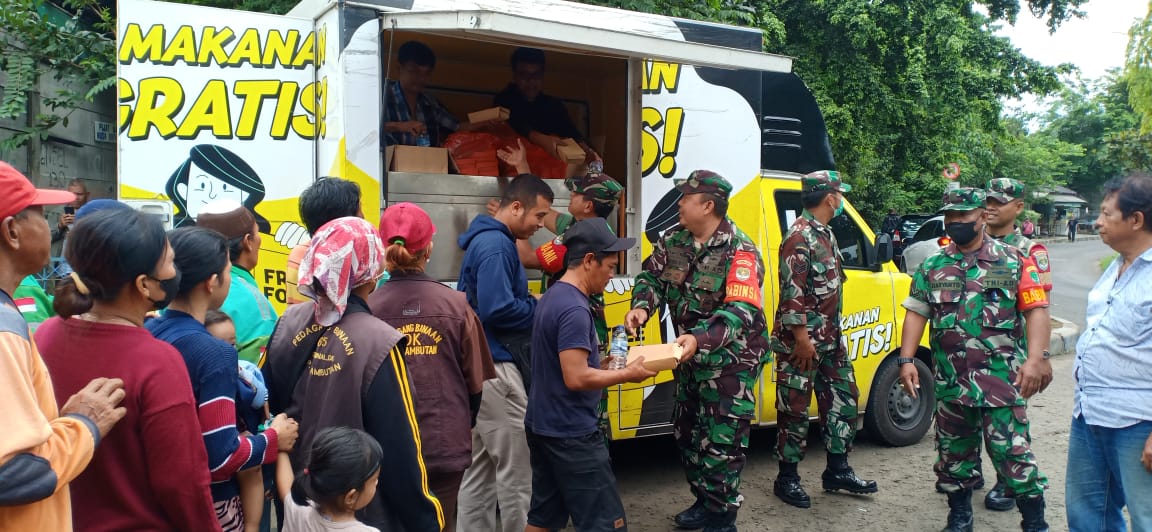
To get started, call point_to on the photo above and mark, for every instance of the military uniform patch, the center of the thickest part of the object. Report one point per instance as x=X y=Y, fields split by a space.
x=1041 y=261
x=741 y=284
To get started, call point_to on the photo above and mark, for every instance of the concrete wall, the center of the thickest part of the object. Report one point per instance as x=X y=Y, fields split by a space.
x=70 y=152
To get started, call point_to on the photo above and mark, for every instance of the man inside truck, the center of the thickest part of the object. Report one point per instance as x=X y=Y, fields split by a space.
x=541 y=118
x=412 y=117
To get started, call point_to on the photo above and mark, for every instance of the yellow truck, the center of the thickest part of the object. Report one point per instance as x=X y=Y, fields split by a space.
x=871 y=321
x=222 y=103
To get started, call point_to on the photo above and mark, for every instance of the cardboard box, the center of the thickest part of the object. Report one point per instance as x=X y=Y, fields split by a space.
x=492 y=113
x=570 y=151
x=657 y=357
x=416 y=159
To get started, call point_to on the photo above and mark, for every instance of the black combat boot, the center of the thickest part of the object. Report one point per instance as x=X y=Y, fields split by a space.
x=694 y=517
x=721 y=522
x=839 y=476
x=996 y=500
x=1032 y=513
x=787 y=486
x=959 y=511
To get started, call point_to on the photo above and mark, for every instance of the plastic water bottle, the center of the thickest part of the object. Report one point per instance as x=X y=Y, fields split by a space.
x=423 y=140
x=596 y=167
x=618 y=348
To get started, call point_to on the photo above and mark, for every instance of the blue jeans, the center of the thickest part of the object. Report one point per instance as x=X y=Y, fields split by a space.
x=1105 y=475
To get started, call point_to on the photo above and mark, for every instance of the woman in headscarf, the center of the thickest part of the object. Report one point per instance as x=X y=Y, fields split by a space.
x=332 y=363
x=447 y=353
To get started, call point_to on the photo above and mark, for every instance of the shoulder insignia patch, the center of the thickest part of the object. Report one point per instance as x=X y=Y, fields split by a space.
x=743 y=283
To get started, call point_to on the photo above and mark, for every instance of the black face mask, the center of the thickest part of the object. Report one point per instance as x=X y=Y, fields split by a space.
x=171 y=287
x=962 y=233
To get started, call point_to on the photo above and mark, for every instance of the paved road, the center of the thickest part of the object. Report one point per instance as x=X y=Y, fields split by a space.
x=654 y=489
x=1075 y=270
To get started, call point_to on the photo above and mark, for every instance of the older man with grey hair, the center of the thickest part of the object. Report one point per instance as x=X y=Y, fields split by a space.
x=1110 y=445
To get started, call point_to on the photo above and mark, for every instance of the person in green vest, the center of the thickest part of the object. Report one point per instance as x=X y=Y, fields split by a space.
x=250 y=309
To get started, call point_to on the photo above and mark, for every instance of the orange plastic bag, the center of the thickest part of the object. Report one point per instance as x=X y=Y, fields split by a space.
x=540 y=161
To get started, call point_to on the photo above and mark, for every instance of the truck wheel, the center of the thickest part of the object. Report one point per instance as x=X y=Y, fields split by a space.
x=893 y=417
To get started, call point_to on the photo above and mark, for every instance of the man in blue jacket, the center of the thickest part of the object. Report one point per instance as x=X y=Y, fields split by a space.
x=497 y=289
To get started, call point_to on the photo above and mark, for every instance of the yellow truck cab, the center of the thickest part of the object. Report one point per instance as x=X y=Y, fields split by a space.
x=871 y=323
x=222 y=103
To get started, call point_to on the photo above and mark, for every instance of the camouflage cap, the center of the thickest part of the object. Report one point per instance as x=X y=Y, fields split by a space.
x=963 y=199
x=597 y=187
x=1004 y=189
x=705 y=182
x=824 y=180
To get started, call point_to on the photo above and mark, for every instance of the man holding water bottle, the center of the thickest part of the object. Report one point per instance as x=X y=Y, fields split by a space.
x=571 y=469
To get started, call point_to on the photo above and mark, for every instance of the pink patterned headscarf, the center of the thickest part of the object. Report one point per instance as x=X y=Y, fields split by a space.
x=344 y=254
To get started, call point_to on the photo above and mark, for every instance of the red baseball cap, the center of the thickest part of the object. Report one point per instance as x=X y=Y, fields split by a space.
x=408 y=224
x=21 y=194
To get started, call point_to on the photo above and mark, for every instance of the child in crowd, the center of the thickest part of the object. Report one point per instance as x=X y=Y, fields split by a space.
x=252 y=411
x=339 y=479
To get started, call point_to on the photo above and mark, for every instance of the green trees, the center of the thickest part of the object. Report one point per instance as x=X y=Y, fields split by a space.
x=1138 y=70
x=906 y=86
x=1097 y=116
x=73 y=46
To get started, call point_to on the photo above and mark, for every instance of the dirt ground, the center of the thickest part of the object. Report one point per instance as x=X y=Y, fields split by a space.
x=653 y=487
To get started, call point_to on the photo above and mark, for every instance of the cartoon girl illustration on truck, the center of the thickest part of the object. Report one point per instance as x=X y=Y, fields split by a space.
x=211 y=173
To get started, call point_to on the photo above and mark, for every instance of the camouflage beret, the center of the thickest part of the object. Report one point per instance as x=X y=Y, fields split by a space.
x=705 y=182
x=824 y=180
x=597 y=187
x=963 y=199
x=1004 y=189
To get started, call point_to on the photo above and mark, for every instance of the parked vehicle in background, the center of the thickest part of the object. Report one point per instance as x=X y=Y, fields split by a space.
x=929 y=238
x=909 y=224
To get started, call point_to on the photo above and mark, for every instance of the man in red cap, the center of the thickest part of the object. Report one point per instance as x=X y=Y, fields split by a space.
x=41 y=447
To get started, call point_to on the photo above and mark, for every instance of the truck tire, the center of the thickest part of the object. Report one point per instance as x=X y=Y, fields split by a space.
x=893 y=417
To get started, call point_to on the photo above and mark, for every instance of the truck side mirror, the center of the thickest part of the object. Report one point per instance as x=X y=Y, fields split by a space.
x=884 y=250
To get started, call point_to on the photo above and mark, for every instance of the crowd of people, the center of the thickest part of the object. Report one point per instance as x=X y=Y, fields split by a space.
x=188 y=404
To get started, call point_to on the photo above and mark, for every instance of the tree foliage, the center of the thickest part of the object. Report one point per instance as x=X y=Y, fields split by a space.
x=906 y=87
x=1138 y=70
x=1097 y=116
x=77 y=50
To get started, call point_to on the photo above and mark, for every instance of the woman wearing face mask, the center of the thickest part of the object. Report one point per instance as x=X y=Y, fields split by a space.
x=152 y=470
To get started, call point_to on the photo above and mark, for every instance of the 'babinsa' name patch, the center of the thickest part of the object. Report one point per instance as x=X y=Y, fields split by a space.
x=743 y=282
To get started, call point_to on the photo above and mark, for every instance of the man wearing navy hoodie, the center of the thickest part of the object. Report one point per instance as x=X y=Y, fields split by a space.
x=497 y=288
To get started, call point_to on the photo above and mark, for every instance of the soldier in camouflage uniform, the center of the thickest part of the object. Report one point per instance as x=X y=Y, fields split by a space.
x=989 y=338
x=1004 y=205
x=710 y=275
x=594 y=195
x=810 y=350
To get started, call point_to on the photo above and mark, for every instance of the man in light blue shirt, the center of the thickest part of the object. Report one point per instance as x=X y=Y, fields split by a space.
x=1110 y=446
